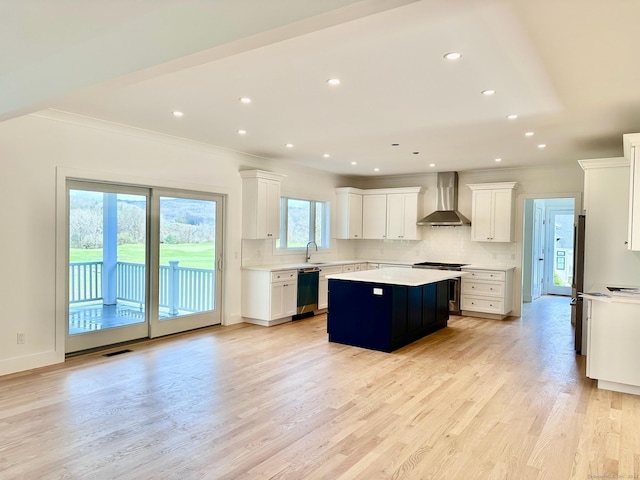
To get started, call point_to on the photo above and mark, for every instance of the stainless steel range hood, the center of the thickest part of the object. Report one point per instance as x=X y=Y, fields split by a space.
x=447 y=213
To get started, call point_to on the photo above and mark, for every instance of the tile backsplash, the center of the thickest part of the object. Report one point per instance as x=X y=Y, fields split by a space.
x=440 y=244
x=261 y=252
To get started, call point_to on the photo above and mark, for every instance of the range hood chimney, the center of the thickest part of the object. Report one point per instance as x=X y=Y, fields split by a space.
x=447 y=213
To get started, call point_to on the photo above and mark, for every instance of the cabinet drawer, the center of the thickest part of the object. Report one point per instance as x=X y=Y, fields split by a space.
x=485 y=275
x=490 y=289
x=482 y=305
x=324 y=271
x=348 y=268
x=284 y=275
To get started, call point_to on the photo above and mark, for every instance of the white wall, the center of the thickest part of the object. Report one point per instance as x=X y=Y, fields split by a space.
x=37 y=151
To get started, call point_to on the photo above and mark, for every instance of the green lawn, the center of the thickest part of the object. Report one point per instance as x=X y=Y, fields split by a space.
x=195 y=255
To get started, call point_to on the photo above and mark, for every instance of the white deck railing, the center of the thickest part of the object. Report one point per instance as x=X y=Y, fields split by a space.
x=181 y=288
x=85 y=281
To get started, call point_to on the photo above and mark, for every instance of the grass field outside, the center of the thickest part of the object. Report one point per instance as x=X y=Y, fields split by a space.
x=194 y=255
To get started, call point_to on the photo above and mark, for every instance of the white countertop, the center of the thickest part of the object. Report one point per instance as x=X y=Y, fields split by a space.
x=327 y=263
x=499 y=268
x=295 y=266
x=410 y=277
x=600 y=293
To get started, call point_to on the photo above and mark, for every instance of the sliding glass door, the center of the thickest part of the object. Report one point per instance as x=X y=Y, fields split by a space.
x=108 y=264
x=142 y=263
x=187 y=263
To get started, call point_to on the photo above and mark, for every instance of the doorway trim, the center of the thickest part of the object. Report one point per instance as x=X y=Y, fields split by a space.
x=519 y=233
x=65 y=174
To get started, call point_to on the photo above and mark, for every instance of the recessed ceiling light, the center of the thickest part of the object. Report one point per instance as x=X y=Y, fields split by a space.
x=488 y=92
x=333 y=81
x=542 y=145
x=289 y=145
x=528 y=134
x=177 y=113
x=452 y=55
x=432 y=164
x=245 y=100
x=498 y=159
x=354 y=163
x=242 y=132
x=513 y=116
x=326 y=155
x=376 y=169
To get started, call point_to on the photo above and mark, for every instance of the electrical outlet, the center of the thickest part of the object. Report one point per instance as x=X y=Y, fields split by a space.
x=20 y=339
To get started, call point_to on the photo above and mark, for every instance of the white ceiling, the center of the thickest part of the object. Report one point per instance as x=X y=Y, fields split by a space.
x=568 y=68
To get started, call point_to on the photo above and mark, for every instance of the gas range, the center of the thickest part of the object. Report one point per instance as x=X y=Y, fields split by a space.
x=440 y=266
x=455 y=285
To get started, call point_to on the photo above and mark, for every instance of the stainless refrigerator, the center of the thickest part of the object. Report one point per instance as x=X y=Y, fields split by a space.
x=577 y=285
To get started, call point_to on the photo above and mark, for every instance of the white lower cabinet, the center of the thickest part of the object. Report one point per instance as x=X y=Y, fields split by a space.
x=323 y=284
x=612 y=337
x=486 y=293
x=269 y=298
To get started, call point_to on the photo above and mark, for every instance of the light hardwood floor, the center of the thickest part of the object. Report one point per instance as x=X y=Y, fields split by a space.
x=481 y=399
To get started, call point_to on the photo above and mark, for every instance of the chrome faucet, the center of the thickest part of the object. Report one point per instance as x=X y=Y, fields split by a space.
x=309 y=243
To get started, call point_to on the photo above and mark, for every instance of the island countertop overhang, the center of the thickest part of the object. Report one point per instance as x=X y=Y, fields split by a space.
x=410 y=277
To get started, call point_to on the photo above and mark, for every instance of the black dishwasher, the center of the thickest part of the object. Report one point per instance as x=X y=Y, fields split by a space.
x=307 y=292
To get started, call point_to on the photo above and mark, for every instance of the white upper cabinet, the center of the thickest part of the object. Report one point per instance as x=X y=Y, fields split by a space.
x=348 y=213
x=632 y=153
x=374 y=216
x=492 y=211
x=260 y=204
x=385 y=213
x=403 y=212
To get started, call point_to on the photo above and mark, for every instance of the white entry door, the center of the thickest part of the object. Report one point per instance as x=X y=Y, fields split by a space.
x=559 y=265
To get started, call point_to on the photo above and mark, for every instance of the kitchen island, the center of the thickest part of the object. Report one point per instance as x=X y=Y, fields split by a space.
x=387 y=309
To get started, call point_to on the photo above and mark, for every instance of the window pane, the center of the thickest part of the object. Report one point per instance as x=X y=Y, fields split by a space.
x=298 y=223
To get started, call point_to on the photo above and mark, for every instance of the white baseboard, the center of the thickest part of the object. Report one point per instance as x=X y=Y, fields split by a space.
x=29 y=362
x=233 y=319
x=619 y=387
x=266 y=323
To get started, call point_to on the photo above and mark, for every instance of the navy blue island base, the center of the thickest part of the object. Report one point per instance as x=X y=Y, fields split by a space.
x=385 y=317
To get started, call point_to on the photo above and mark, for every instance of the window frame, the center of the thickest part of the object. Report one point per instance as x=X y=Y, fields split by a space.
x=325 y=242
